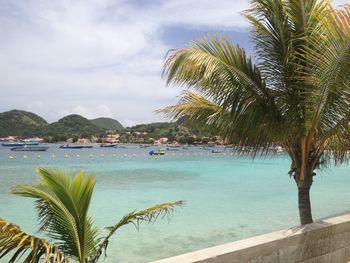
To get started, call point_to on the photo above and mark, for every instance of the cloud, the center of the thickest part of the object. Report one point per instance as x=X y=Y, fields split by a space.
x=100 y=57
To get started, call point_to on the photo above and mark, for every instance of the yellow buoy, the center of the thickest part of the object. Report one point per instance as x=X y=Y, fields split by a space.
x=66 y=156
x=53 y=156
x=11 y=157
x=39 y=156
x=114 y=155
x=25 y=156
x=78 y=156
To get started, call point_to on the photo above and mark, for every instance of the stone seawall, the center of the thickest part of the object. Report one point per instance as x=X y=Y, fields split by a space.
x=326 y=241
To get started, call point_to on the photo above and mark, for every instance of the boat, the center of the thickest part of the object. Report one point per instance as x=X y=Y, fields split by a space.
x=144 y=146
x=67 y=146
x=19 y=143
x=156 y=153
x=30 y=148
x=216 y=151
x=87 y=146
x=172 y=149
x=13 y=144
x=173 y=146
x=33 y=141
x=108 y=145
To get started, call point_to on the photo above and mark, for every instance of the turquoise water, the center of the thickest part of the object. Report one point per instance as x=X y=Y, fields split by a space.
x=227 y=197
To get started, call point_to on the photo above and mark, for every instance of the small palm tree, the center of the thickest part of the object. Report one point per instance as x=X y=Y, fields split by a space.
x=63 y=202
x=297 y=95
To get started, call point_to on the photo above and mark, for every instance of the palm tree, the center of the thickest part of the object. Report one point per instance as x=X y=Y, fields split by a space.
x=63 y=202
x=296 y=94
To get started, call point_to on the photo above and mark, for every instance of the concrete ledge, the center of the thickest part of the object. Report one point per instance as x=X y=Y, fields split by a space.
x=323 y=241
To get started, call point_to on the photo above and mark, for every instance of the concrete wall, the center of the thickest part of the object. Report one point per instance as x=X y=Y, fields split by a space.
x=320 y=242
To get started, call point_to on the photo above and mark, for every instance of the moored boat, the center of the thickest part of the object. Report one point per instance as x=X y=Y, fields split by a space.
x=67 y=146
x=33 y=141
x=156 y=153
x=172 y=149
x=27 y=148
x=13 y=144
x=108 y=145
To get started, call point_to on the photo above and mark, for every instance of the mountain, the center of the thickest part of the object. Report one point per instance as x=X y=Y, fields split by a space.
x=108 y=124
x=21 y=123
x=73 y=125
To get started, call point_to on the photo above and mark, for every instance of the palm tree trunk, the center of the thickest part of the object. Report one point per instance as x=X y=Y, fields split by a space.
x=304 y=205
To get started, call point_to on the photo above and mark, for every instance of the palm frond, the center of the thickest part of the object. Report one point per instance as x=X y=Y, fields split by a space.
x=328 y=74
x=230 y=94
x=272 y=34
x=17 y=244
x=148 y=215
x=198 y=110
x=62 y=204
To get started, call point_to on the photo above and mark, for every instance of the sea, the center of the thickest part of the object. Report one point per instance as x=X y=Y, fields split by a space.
x=227 y=197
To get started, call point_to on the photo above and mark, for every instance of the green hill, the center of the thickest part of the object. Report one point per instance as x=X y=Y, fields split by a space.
x=21 y=123
x=107 y=124
x=73 y=125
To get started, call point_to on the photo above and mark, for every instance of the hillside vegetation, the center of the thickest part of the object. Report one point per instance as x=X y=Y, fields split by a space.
x=108 y=124
x=21 y=123
x=73 y=126
x=26 y=124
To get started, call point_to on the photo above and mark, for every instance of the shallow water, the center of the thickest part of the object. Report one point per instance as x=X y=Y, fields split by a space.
x=227 y=197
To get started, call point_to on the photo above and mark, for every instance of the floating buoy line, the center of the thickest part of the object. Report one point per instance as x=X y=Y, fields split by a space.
x=120 y=155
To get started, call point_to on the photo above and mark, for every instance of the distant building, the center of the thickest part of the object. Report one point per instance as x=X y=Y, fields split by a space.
x=219 y=140
x=83 y=140
x=111 y=138
x=161 y=140
x=94 y=139
x=9 y=139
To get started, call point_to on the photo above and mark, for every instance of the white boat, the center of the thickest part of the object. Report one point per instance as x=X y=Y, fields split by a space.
x=33 y=141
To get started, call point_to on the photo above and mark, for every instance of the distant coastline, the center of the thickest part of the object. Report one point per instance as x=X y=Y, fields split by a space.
x=20 y=125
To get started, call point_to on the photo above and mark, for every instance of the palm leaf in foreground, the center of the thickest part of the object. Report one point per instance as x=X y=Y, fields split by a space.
x=148 y=215
x=16 y=244
x=62 y=202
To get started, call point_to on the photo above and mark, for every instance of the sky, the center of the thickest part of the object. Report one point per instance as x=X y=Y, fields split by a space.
x=103 y=58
